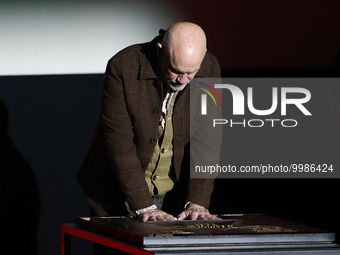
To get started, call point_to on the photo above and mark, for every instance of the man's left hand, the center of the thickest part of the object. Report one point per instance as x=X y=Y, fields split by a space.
x=196 y=212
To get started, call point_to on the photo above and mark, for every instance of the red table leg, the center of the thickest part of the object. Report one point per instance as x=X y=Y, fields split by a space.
x=72 y=229
x=66 y=243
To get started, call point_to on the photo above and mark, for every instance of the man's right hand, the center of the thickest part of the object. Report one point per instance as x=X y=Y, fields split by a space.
x=156 y=215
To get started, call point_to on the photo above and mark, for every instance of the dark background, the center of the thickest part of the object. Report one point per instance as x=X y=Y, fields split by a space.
x=51 y=118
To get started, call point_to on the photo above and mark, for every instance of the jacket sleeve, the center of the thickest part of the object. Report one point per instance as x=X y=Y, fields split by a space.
x=205 y=142
x=119 y=141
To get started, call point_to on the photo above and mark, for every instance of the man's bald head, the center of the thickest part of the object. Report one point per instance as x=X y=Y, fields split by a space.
x=184 y=47
x=184 y=36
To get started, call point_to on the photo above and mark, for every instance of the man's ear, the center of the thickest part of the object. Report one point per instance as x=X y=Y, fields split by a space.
x=159 y=48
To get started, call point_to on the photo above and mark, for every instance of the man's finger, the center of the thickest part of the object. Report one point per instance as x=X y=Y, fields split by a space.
x=182 y=216
x=157 y=215
x=212 y=217
x=201 y=217
x=193 y=215
x=145 y=217
x=159 y=218
x=169 y=217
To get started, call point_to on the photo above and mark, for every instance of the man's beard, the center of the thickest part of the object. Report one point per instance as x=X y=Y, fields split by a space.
x=177 y=87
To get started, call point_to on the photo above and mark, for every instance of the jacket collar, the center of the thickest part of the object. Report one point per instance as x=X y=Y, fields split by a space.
x=149 y=64
x=199 y=73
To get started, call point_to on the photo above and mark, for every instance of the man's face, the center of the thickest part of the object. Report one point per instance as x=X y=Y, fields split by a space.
x=178 y=74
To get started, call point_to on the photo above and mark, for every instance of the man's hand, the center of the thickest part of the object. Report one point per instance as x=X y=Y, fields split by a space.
x=196 y=212
x=156 y=215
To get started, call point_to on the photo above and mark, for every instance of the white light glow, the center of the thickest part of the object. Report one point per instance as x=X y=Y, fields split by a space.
x=74 y=37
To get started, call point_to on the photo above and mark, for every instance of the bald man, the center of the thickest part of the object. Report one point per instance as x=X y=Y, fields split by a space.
x=138 y=160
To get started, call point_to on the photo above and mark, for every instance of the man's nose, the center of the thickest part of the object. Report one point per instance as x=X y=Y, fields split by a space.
x=183 y=78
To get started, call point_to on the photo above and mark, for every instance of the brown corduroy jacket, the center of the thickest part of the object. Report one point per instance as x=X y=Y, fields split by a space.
x=125 y=135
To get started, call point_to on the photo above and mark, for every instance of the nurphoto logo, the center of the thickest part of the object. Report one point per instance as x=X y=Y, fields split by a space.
x=204 y=97
x=238 y=105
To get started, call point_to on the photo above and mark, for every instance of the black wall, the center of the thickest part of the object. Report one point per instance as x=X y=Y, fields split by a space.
x=51 y=119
